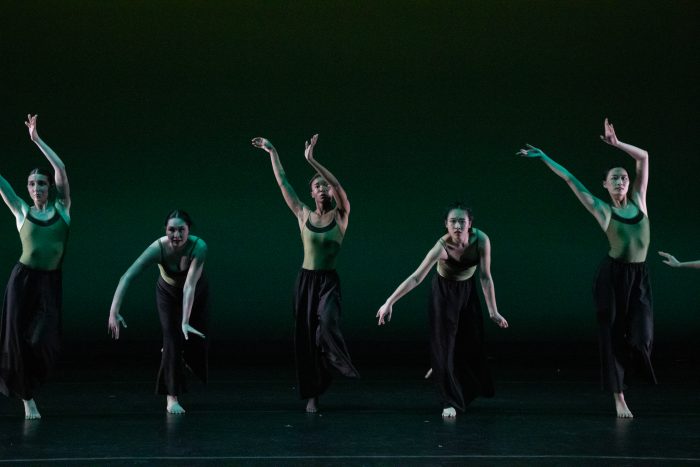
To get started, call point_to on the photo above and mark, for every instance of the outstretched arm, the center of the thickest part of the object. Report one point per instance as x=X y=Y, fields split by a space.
x=641 y=158
x=61 y=177
x=148 y=257
x=193 y=275
x=594 y=205
x=674 y=263
x=341 y=198
x=17 y=205
x=487 y=281
x=384 y=313
x=290 y=196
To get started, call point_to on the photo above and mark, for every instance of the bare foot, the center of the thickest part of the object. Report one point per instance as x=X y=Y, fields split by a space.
x=312 y=405
x=621 y=406
x=449 y=412
x=30 y=410
x=428 y=374
x=174 y=406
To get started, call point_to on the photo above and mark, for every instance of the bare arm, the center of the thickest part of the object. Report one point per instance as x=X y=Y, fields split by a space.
x=16 y=204
x=641 y=158
x=600 y=210
x=487 y=281
x=341 y=198
x=193 y=275
x=61 y=177
x=384 y=313
x=149 y=257
x=288 y=193
x=674 y=263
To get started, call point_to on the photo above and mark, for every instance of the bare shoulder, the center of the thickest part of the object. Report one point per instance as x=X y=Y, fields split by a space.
x=200 y=246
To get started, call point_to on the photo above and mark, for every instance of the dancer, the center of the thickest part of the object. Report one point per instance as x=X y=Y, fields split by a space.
x=182 y=297
x=622 y=291
x=318 y=343
x=457 y=352
x=31 y=314
x=674 y=263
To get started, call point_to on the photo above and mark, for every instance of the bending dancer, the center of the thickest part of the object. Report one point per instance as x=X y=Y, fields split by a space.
x=458 y=357
x=318 y=343
x=31 y=311
x=621 y=289
x=674 y=263
x=182 y=297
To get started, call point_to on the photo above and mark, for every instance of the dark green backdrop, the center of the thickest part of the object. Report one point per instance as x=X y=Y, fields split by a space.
x=152 y=106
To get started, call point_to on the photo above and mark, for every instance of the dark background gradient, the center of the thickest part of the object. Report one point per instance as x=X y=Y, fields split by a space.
x=152 y=106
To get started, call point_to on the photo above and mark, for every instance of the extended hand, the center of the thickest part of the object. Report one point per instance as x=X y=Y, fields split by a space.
x=186 y=328
x=262 y=143
x=31 y=124
x=499 y=320
x=610 y=136
x=384 y=314
x=530 y=151
x=670 y=259
x=309 y=148
x=115 y=320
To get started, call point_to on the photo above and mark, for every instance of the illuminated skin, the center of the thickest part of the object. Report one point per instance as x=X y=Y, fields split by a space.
x=38 y=188
x=324 y=190
x=674 y=263
x=175 y=241
x=617 y=185
x=457 y=240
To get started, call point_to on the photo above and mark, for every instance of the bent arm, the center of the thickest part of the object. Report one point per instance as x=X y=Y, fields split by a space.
x=411 y=282
x=339 y=195
x=59 y=168
x=487 y=281
x=641 y=159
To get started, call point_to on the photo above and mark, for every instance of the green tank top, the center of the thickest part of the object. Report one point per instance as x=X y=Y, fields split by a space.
x=43 y=242
x=629 y=238
x=175 y=276
x=321 y=245
x=459 y=269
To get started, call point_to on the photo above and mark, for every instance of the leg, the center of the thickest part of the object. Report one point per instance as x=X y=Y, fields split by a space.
x=171 y=378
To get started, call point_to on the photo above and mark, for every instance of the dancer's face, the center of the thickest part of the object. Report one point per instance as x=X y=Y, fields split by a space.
x=458 y=224
x=177 y=232
x=321 y=190
x=617 y=182
x=38 y=186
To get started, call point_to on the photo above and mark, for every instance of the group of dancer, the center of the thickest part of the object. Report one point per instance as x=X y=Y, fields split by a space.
x=31 y=315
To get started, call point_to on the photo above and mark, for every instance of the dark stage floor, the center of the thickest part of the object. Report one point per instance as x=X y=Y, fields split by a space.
x=251 y=416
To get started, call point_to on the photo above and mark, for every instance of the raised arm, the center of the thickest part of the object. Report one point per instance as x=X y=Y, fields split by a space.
x=61 y=177
x=384 y=313
x=288 y=193
x=487 y=281
x=341 y=198
x=17 y=205
x=641 y=158
x=149 y=257
x=674 y=263
x=600 y=210
x=193 y=275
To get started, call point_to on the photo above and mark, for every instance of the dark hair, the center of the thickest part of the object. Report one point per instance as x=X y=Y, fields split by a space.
x=607 y=172
x=316 y=175
x=48 y=174
x=179 y=214
x=459 y=205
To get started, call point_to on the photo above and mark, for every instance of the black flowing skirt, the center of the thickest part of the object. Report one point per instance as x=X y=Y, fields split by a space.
x=457 y=349
x=177 y=352
x=318 y=343
x=623 y=298
x=30 y=330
